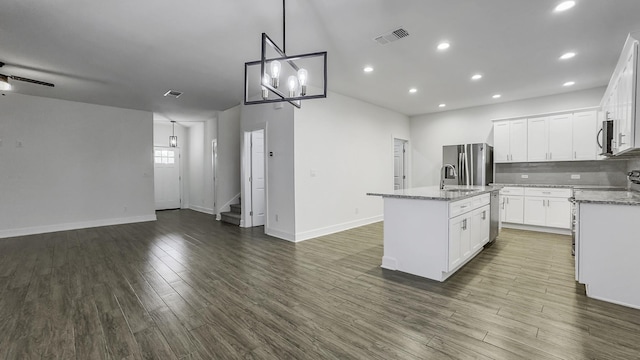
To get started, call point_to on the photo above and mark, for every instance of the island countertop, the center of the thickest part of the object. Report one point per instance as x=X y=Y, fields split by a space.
x=607 y=197
x=450 y=192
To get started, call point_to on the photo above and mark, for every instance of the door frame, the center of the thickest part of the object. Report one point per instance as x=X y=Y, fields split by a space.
x=214 y=166
x=245 y=169
x=406 y=159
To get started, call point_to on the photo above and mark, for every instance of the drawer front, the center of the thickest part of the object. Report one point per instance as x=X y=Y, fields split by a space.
x=480 y=200
x=460 y=207
x=512 y=191
x=548 y=192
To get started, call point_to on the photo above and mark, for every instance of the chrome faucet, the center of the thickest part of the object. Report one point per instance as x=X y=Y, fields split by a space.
x=444 y=167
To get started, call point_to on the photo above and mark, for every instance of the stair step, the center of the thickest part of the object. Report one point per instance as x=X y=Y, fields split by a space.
x=230 y=217
x=236 y=208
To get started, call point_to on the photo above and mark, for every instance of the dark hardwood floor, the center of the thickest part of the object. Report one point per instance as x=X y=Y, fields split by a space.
x=188 y=287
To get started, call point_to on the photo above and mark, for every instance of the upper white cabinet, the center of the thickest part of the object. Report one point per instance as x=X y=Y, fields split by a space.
x=620 y=101
x=510 y=140
x=557 y=137
x=585 y=132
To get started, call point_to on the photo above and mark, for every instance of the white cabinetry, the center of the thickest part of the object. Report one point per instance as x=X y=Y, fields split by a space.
x=510 y=141
x=543 y=207
x=512 y=205
x=468 y=228
x=585 y=131
x=556 y=137
x=620 y=101
x=547 y=207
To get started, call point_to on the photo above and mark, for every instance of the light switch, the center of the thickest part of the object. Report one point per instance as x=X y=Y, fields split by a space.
x=18 y=143
x=312 y=173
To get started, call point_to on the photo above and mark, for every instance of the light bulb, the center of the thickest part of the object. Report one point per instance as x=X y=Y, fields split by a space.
x=275 y=73
x=266 y=79
x=303 y=76
x=4 y=83
x=293 y=85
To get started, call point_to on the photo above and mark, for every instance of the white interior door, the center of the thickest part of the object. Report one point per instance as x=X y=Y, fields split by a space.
x=399 y=161
x=257 y=178
x=166 y=169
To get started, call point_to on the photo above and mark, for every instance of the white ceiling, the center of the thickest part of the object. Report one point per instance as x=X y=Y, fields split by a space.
x=129 y=53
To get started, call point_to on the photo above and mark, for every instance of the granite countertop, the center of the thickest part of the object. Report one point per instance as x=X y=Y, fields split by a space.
x=620 y=197
x=576 y=187
x=450 y=192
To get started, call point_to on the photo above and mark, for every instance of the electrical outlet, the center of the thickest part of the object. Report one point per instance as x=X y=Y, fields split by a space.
x=575 y=177
x=18 y=143
x=524 y=176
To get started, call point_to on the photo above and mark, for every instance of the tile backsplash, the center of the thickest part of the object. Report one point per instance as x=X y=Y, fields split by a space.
x=602 y=173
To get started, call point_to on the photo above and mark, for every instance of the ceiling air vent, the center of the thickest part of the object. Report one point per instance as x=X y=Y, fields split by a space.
x=391 y=36
x=173 y=93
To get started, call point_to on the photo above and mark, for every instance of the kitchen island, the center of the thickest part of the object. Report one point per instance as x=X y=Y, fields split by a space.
x=431 y=232
x=607 y=245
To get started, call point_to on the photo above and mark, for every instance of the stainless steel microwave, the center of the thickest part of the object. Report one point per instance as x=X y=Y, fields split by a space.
x=607 y=138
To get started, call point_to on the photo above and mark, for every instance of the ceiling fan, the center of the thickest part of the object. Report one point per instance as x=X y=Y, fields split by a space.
x=4 y=80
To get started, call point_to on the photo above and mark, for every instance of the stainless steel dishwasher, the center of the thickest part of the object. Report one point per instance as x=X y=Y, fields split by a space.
x=495 y=215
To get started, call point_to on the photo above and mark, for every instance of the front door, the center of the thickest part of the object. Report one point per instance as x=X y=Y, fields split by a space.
x=166 y=162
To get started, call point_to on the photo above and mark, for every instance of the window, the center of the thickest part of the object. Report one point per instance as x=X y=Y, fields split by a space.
x=165 y=157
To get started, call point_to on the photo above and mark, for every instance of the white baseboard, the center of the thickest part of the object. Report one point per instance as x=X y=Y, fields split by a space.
x=544 y=229
x=201 y=209
x=336 y=228
x=280 y=234
x=74 y=226
x=389 y=263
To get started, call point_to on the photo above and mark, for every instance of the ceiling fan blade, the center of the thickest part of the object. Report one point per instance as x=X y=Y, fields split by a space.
x=31 y=81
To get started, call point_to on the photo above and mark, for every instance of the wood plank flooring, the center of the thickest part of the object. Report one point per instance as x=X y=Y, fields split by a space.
x=188 y=287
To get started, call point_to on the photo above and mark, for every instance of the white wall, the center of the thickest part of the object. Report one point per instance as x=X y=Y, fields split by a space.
x=228 y=135
x=78 y=165
x=196 y=151
x=473 y=125
x=280 y=167
x=343 y=149
x=161 y=132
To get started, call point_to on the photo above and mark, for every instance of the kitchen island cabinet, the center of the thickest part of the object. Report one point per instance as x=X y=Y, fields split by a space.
x=432 y=233
x=607 y=245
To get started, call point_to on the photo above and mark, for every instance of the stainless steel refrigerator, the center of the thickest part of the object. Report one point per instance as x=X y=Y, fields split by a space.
x=473 y=164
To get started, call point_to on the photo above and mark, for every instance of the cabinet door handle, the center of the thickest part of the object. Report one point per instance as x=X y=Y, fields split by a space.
x=464 y=224
x=547 y=192
x=575 y=154
x=484 y=215
x=546 y=156
x=550 y=156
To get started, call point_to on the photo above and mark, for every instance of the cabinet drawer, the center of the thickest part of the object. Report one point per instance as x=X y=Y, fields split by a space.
x=480 y=200
x=512 y=191
x=460 y=207
x=548 y=192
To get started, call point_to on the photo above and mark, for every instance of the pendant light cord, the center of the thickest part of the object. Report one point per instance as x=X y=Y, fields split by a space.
x=284 y=28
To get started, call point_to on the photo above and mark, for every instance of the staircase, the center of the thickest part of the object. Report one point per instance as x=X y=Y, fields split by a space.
x=233 y=216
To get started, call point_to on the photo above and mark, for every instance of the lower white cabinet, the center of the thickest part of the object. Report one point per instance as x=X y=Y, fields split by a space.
x=467 y=234
x=546 y=207
x=514 y=209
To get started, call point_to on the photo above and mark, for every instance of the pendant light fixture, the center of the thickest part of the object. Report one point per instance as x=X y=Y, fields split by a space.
x=173 y=139
x=305 y=74
x=4 y=83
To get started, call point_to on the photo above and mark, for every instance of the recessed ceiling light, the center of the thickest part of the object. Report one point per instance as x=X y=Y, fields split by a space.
x=497 y=96
x=368 y=69
x=565 y=5
x=442 y=105
x=476 y=77
x=569 y=83
x=173 y=93
x=568 y=55
x=413 y=90
x=444 y=45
